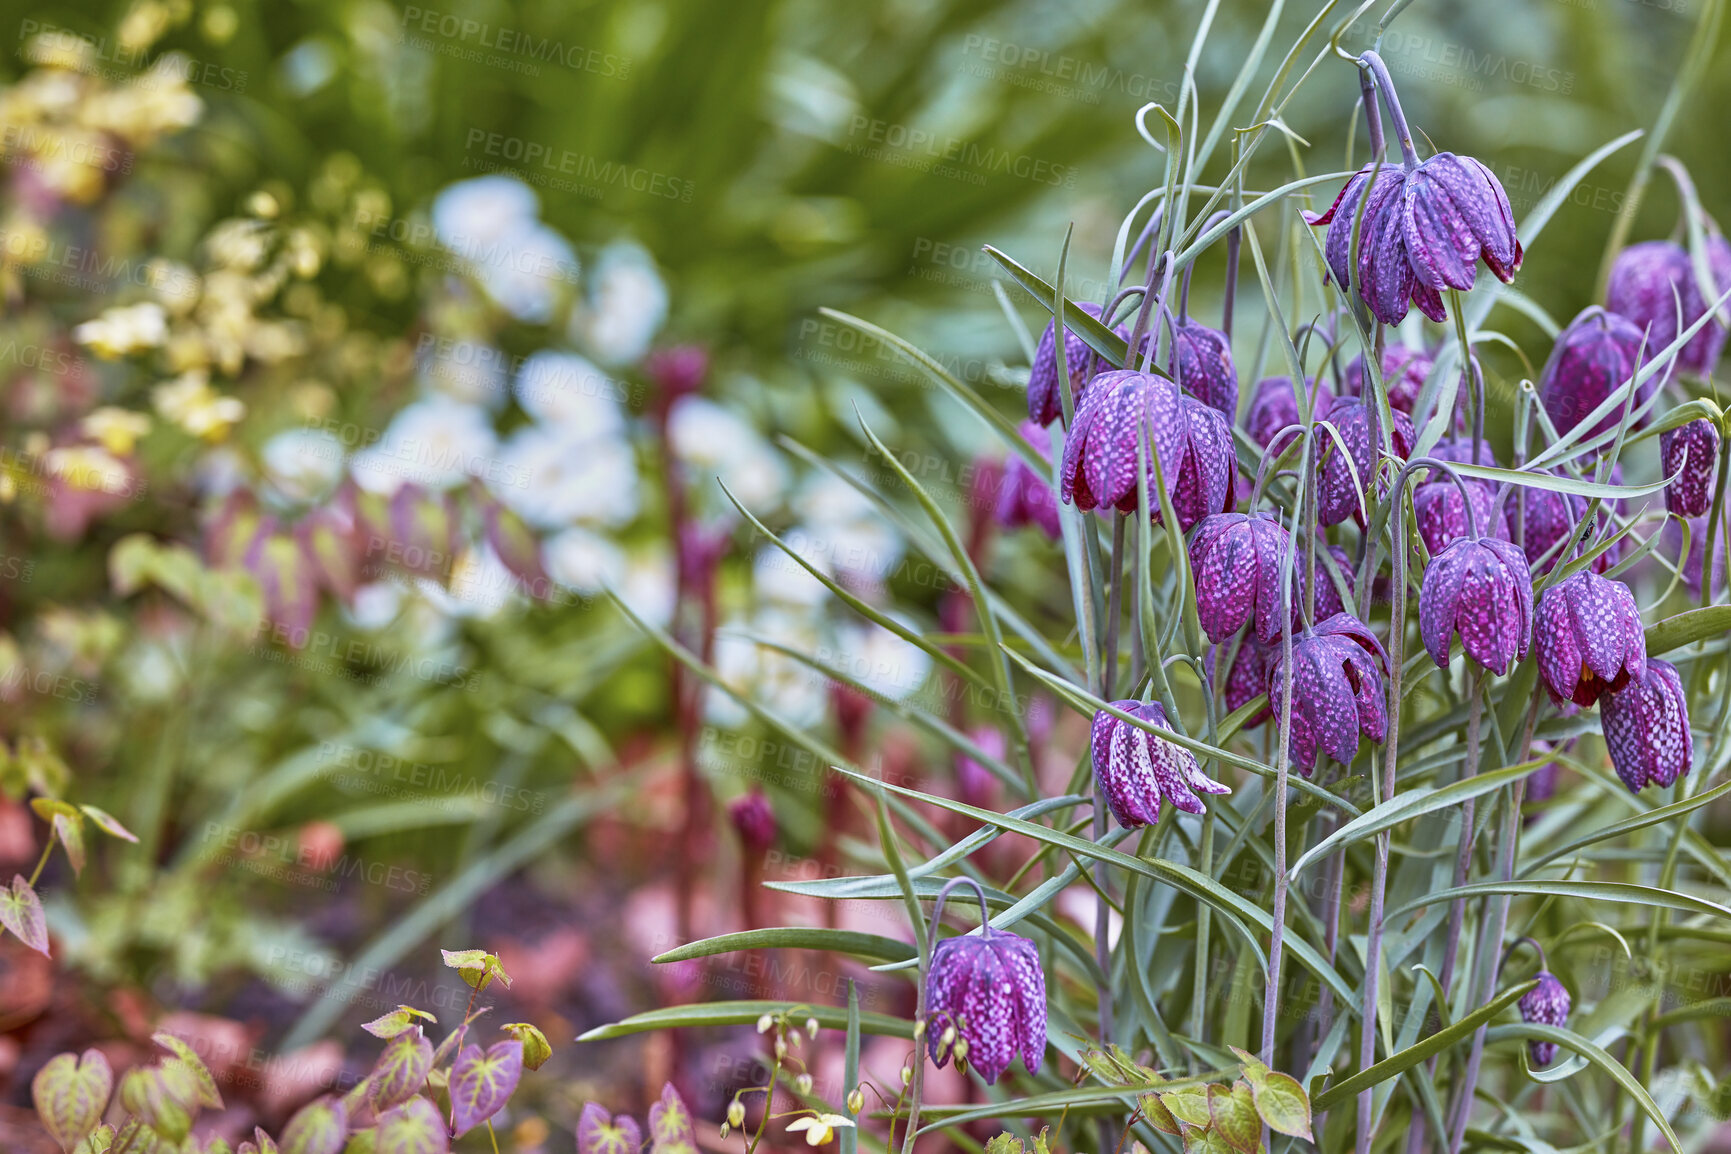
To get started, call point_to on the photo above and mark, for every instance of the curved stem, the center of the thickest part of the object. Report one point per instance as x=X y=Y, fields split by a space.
x=1372 y=114
x=1379 y=70
x=986 y=930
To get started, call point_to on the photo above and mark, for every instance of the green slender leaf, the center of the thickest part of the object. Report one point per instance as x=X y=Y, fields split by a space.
x=1713 y=621
x=850 y=942
x=1624 y=892
x=741 y=1012
x=1631 y=824
x=1592 y=1052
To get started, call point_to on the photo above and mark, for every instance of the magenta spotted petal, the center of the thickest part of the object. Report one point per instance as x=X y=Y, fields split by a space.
x=1648 y=282
x=1273 y=407
x=1337 y=691
x=1202 y=365
x=1192 y=441
x=1482 y=590
x=1045 y=397
x=1646 y=727
x=1548 y=1005
x=1694 y=449
x=1592 y=357
x=990 y=987
x=1024 y=497
x=1589 y=638
x=1403 y=374
x=1338 y=491
x=1237 y=559
x=1328 y=601
x=1441 y=513
x=1551 y=517
x=1385 y=276
x=1453 y=213
x=1137 y=770
x=1247 y=676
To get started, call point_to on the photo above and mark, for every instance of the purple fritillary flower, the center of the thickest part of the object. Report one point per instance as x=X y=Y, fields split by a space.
x=990 y=987
x=1483 y=590
x=1137 y=770
x=1454 y=212
x=1237 y=558
x=1337 y=690
x=1247 y=676
x=1403 y=373
x=754 y=819
x=1328 y=601
x=1202 y=365
x=1547 y=1004
x=1045 y=398
x=1273 y=408
x=1589 y=638
x=1649 y=279
x=1193 y=442
x=1694 y=448
x=1646 y=726
x=1550 y=517
x=1024 y=497
x=1385 y=276
x=1338 y=495
x=1442 y=520
x=1594 y=355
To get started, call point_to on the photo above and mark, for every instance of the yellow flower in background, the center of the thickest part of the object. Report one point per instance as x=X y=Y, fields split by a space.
x=117 y=429
x=89 y=467
x=190 y=403
x=119 y=332
x=820 y=1128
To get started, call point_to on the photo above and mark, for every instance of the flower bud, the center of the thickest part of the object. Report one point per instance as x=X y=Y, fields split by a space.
x=803 y=1083
x=1693 y=448
x=736 y=1113
x=1547 y=1004
x=856 y=1100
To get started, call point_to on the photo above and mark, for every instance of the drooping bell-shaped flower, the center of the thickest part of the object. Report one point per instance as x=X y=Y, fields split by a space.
x=1123 y=409
x=1337 y=690
x=1648 y=282
x=1137 y=770
x=1595 y=354
x=1588 y=633
x=1551 y=516
x=1045 y=397
x=1202 y=365
x=1403 y=374
x=1693 y=448
x=1646 y=727
x=754 y=820
x=1237 y=559
x=1454 y=213
x=1480 y=588
x=1337 y=492
x=1328 y=601
x=1547 y=1004
x=986 y=1002
x=1385 y=277
x=1024 y=497
x=1247 y=676
x=1273 y=408
x=1441 y=512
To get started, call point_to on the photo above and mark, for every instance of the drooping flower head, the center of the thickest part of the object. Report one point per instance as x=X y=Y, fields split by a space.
x=1440 y=511
x=1650 y=279
x=1403 y=374
x=1547 y=1004
x=1646 y=727
x=1385 y=276
x=1273 y=408
x=1247 y=676
x=1595 y=354
x=1552 y=516
x=1337 y=492
x=1237 y=558
x=1480 y=588
x=1589 y=638
x=754 y=819
x=986 y=1002
x=1045 y=397
x=1337 y=691
x=1328 y=601
x=1137 y=770
x=1454 y=212
x=1024 y=497
x=1693 y=448
x=1202 y=365
x=1123 y=409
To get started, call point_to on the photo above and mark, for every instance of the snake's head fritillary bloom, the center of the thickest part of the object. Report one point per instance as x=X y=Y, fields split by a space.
x=1328 y=601
x=1595 y=354
x=1441 y=512
x=1123 y=410
x=1237 y=558
x=1454 y=212
x=1202 y=364
x=1649 y=280
x=1646 y=727
x=1137 y=770
x=1551 y=516
x=1337 y=490
x=1273 y=407
x=1403 y=374
x=1589 y=638
x=1337 y=691
x=1385 y=276
x=1480 y=588
x=989 y=988
x=1693 y=448
x=754 y=819
x=1024 y=497
x=1045 y=397
x=1547 y=1004
x=1247 y=676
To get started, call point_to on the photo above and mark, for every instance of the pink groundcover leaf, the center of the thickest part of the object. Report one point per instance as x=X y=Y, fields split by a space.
x=412 y=1128
x=21 y=912
x=401 y=1070
x=319 y=1127
x=481 y=1083
x=670 y=1124
x=599 y=1134
x=70 y=1093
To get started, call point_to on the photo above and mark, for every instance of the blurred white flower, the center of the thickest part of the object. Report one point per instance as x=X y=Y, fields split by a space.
x=303 y=465
x=648 y=586
x=483 y=210
x=878 y=659
x=583 y=561
x=468 y=371
x=791 y=690
x=481 y=585
x=375 y=605
x=527 y=271
x=842 y=524
x=189 y=402
x=625 y=307
x=119 y=332
x=435 y=442
x=551 y=479
x=567 y=390
x=777 y=577
x=714 y=442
